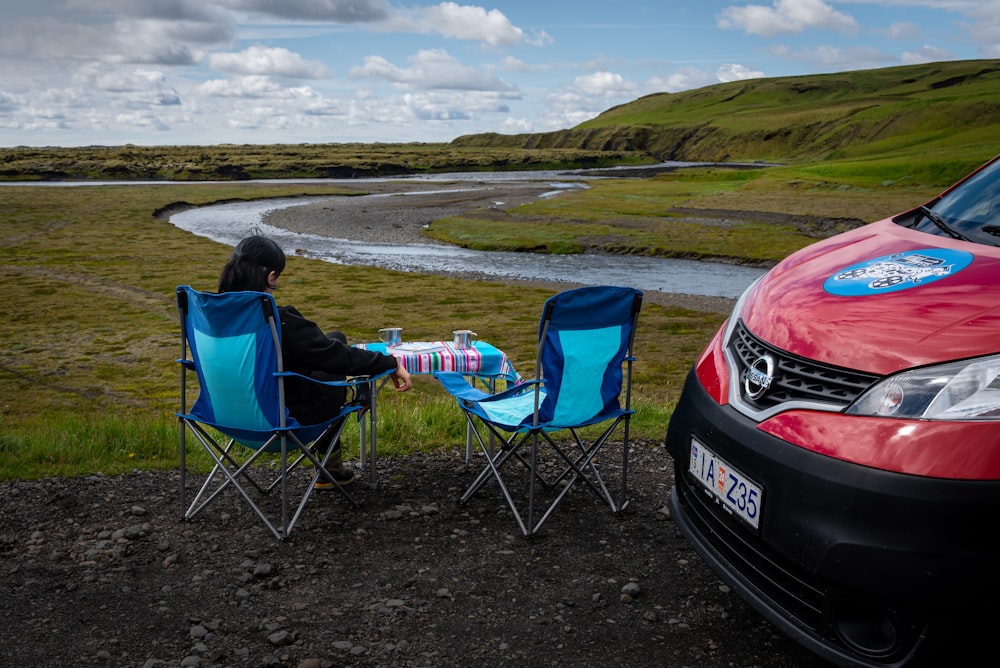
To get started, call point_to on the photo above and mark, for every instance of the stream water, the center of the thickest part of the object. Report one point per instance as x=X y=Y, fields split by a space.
x=230 y=222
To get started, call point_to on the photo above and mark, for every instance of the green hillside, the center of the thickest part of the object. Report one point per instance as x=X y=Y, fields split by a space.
x=951 y=108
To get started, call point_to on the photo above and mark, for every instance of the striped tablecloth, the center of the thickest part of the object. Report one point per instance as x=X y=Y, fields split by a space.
x=482 y=359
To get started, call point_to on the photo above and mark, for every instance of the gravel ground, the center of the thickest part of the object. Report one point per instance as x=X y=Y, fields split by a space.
x=100 y=571
x=399 y=211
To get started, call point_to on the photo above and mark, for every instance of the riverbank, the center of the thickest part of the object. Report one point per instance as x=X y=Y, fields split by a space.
x=400 y=212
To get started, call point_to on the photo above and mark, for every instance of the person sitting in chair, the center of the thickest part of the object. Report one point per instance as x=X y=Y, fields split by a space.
x=255 y=265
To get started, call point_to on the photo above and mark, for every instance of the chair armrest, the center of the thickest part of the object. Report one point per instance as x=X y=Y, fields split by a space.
x=457 y=385
x=522 y=388
x=189 y=364
x=350 y=382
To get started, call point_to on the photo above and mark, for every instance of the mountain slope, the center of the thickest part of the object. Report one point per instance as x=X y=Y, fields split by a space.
x=850 y=114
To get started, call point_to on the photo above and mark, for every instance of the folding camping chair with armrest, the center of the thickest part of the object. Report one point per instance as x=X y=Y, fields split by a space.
x=232 y=341
x=583 y=364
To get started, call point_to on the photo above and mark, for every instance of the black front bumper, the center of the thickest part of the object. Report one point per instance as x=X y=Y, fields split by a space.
x=836 y=540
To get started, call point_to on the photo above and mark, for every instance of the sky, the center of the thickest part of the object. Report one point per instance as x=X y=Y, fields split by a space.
x=207 y=72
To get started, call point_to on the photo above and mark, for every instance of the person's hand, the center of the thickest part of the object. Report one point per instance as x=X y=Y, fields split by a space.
x=401 y=379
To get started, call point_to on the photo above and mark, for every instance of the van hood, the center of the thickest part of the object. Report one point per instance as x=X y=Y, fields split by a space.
x=880 y=299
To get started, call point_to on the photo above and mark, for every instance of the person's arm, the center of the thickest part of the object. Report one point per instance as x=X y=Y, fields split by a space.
x=308 y=347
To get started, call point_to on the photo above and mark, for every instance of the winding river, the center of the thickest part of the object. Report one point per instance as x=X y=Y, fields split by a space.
x=230 y=222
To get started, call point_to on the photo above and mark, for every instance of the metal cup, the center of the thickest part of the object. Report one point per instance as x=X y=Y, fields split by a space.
x=464 y=338
x=391 y=336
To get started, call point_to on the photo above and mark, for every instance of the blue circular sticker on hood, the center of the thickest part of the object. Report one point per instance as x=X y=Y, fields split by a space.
x=899 y=271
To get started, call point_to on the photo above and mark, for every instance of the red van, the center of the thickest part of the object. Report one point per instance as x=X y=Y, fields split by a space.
x=837 y=444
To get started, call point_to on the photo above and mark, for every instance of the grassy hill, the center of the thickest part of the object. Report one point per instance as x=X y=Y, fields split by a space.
x=949 y=108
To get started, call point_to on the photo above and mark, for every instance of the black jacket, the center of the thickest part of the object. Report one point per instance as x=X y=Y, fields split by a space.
x=308 y=350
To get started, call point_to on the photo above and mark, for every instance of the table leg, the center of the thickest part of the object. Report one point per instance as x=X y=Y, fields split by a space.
x=373 y=440
x=367 y=426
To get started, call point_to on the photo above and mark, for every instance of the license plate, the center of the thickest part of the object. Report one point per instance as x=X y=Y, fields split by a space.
x=736 y=492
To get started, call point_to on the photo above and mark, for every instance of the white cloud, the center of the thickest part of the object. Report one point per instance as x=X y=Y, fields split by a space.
x=605 y=85
x=169 y=10
x=516 y=126
x=462 y=22
x=430 y=69
x=338 y=11
x=49 y=39
x=902 y=31
x=684 y=78
x=733 y=72
x=926 y=54
x=985 y=27
x=436 y=107
x=833 y=59
x=141 y=119
x=252 y=86
x=689 y=78
x=785 y=16
x=8 y=103
x=268 y=61
x=118 y=80
x=448 y=110
x=560 y=118
x=587 y=96
x=448 y=19
x=512 y=64
x=124 y=40
x=135 y=90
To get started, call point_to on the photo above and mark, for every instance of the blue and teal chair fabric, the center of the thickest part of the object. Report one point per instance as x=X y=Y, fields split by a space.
x=583 y=377
x=232 y=343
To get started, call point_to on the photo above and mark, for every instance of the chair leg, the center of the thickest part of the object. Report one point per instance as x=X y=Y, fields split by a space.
x=183 y=465
x=623 y=495
x=494 y=460
x=231 y=478
x=368 y=434
x=584 y=462
x=579 y=466
x=531 y=484
x=232 y=473
x=491 y=470
x=285 y=528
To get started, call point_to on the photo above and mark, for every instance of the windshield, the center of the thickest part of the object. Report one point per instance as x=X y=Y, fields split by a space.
x=970 y=212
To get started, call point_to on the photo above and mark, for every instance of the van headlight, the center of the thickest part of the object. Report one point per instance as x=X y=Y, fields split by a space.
x=967 y=390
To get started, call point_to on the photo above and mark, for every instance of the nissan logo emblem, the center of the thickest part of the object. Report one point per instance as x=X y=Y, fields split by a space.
x=758 y=378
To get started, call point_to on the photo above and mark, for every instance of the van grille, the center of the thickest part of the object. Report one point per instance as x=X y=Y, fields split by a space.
x=795 y=379
x=786 y=586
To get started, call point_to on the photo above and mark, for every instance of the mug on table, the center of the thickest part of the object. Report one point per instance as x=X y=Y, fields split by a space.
x=464 y=338
x=391 y=336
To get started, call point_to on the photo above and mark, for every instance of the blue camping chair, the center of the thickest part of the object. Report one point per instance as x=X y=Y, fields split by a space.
x=232 y=342
x=583 y=365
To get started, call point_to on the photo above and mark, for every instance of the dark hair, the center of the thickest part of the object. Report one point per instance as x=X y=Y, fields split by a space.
x=252 y=260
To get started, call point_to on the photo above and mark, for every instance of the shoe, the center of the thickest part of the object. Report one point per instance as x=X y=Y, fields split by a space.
x=342 y=475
